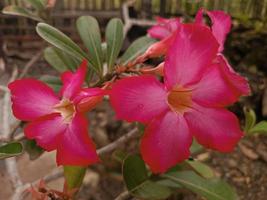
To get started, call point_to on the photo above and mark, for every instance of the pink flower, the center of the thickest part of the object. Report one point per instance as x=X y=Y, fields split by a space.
x=58 y=123
x=190 y=103
x=221 y=26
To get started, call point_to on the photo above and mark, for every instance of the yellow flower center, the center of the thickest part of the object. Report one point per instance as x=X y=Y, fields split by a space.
x=180 y=99
x=66 y=109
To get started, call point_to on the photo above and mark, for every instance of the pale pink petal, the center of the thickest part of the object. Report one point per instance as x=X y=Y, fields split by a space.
x=138 y=98
x=166 y=142
x=214 y=128
x=47 y=131
x=158 y=32
x=214 y=89
x=199 y=16
x=221 y=26
x=76 y=147
x=31 y=99
x=72 y=82
x=238 y=83
x=190 y=55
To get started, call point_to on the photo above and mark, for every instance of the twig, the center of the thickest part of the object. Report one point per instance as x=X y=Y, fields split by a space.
x=124 y=195
x=4 y=88
x=110 y=147
x=11 y=164
x=129 y=22
x=34 y=59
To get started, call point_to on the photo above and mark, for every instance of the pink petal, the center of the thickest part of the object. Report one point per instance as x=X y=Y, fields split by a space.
x=221 y=26
x=46 y=131
x=138 y=98
x=166 y=142
x=31 y=99
x=199 y=16
x=72 y=82
x=214 y=128
x=214 y=89
x=238 y=83
x=76 y=148
x=158 y=32
x=190 y=55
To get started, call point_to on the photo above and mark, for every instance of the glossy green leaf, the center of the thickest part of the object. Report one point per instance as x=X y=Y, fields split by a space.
x=137 y=48
x=10 y=150
x=89 y=31
x=60 y=60
x=33 y=149
x=60 y=40
x=137 y=180
x=38 y=4
x=74 y=176
x=260 y=128
x=114 y=39
x=210 y=189
x=250 y=118
x=53 y=81
x=201 y=168
x=20 y=11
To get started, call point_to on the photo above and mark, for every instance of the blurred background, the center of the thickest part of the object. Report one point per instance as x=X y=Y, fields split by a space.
x=246 y=49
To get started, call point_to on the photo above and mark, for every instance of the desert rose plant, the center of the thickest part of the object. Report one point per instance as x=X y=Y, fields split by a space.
x=181 y=99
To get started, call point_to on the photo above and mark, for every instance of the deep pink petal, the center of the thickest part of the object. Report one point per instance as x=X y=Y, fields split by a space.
x=72 y=82
x=214 y=89
x=199 y=16
x=221 y=26
x=46 y=131
x=76 y=148
x=238 y=83
x=214 y=128
x=31 y=99
x=138 y=98
x=166 y=142
x=158 y=32
x=88 y=92
x=190 y=55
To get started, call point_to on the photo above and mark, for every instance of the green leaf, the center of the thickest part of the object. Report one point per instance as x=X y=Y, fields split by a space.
x=60 y=60
x=195 y=147
x=61 y=41
x=89 y=31
x=19 y=11
x=260 y=127
x=38 y=4
x=33 y=149
x=53 y=81
x=211 y=189
x=10 y=150
x=201 y=168
x=250 y=118
x=114 y=39
x=74 y=176
x=137 y=180
x=137 y=48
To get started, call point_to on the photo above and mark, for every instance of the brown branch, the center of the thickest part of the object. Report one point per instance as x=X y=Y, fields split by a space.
x=122 y=196
x=34 y=59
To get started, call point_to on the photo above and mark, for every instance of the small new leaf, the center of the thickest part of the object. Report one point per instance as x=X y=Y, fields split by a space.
x=20 y=11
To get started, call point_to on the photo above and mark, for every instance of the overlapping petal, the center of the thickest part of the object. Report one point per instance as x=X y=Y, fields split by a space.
x=190 y=55
x=31 y=99
x=72 y=82
x=46 y=130
x=221 y=26
x=214 y=128
x=166 y=142
x=238 y=83
x=214 y=89
x=76 y=148
x=138 y=98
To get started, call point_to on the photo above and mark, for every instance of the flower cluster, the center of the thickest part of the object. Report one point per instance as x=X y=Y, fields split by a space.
x=198 y=84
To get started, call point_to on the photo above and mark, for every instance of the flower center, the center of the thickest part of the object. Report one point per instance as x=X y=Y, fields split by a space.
x=66 y=109
x=180 y=99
